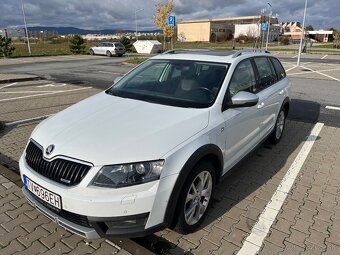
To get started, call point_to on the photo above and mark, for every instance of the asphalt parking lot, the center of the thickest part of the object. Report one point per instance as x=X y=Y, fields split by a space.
x=253 y=208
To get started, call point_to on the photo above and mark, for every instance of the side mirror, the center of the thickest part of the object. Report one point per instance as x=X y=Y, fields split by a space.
x=243 y=99
x=117 y=79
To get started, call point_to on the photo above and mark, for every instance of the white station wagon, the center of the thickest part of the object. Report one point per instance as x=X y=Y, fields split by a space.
x=147 y=153
x=109 y=49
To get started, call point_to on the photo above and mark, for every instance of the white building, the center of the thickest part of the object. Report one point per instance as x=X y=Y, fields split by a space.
x=254 y=30
x=96 y=37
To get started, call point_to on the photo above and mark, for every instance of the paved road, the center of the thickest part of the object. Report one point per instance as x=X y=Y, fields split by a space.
x=95 y=71
x=309 y=220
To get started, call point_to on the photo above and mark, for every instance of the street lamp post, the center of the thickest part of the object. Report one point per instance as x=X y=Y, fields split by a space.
x=28 y=41
x=268 y=31
x=302 y=34
x=136 y=21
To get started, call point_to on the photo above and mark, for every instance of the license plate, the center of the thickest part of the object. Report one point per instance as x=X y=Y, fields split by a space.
x=42 y=193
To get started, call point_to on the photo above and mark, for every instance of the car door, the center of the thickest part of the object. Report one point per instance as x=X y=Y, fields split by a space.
x=270 y=93
x=97 y=48
x=242 y=125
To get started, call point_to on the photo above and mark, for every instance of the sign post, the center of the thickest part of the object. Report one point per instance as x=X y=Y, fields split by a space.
x=263 y=28
x=171 y=21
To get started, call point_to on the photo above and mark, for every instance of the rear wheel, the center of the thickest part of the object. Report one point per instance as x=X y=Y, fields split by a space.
x=276 y=135
x=108 y=53
x=195 y=198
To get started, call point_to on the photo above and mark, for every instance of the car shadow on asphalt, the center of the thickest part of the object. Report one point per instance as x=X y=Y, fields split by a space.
x=9 y=167
x=242 y=183
x=245 y=181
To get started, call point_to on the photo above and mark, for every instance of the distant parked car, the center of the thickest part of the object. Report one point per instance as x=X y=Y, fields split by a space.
x=109 y=49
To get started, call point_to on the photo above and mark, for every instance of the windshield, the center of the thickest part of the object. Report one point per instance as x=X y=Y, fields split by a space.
x=180 y=83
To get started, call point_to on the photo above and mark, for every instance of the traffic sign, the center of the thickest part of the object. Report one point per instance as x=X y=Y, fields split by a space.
x=264 y=26
x=171 y=20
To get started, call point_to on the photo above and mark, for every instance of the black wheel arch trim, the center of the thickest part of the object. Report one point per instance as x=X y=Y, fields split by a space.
x=209 y=150
x=286 y=101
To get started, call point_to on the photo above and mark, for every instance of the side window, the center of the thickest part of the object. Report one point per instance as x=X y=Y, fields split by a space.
x=150 y=74
x=267 y=76
x=280 y=71
x=243 y=78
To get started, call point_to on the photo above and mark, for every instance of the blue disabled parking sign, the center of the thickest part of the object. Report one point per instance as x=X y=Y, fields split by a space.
x=171 y=21
x=264 y=26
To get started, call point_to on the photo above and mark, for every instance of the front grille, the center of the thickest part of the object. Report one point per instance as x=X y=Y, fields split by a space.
x=72 y=217
x=60 y=170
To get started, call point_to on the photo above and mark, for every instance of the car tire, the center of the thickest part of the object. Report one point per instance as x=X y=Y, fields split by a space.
x=196 y=195
x=108 y=53
x=276 y=135
x=120 y=55
x=91 y=52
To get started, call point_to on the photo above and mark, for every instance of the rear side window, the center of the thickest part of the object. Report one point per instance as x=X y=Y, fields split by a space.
x=267 y=75
x=280 y=71
x=119 y=45
x=243 y=78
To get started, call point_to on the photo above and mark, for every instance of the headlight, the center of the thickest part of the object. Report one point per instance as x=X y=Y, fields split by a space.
x=128 y=174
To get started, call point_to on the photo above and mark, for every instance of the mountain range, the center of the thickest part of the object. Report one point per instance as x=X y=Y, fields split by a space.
x=74 y=30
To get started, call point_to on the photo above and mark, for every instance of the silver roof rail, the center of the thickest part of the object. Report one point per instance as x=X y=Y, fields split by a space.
x=174 y=51
x=252 y=50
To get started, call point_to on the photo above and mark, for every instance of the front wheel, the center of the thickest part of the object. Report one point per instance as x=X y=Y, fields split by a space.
x=195 y=198
x=108 y=53
x=91 y=52
x=276 y=135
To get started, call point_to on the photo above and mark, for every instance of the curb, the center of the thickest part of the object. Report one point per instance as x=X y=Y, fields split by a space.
x=20 y=79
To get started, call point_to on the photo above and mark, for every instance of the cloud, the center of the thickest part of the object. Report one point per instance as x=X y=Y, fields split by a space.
x=104 y=14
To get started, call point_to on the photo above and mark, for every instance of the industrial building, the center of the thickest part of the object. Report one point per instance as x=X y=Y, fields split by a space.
x=219 y=29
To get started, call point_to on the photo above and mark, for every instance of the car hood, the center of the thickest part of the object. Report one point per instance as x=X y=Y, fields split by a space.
x=106 y=129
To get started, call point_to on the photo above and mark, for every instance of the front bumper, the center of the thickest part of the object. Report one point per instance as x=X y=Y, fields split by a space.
x=98 y=227
x=94 y=212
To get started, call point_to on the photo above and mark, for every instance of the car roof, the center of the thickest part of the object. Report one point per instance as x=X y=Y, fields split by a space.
x=211 y=55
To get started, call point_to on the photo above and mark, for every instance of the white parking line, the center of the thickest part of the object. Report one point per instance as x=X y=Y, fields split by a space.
x=324 y=57
x=8 y=85
x=326 y=70
x=333 y=108
x=326 y=75
x=8 y=124
x=29 y=92
x=53 y=85
x=110 y=72
x=44 y=94
x=254 y=241
x=295 y=56
x=20 y=60
x=290 y=69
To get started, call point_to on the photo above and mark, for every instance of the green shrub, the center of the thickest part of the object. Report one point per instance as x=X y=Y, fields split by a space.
x=284 y=40
x=6 y=49
x=126 y=42
x=77 y=44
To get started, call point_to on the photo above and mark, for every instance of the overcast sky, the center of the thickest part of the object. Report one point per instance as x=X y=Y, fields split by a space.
x=119 y=14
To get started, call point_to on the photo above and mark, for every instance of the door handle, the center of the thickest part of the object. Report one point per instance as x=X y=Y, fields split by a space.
x=281 y=92
x=260 y=105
